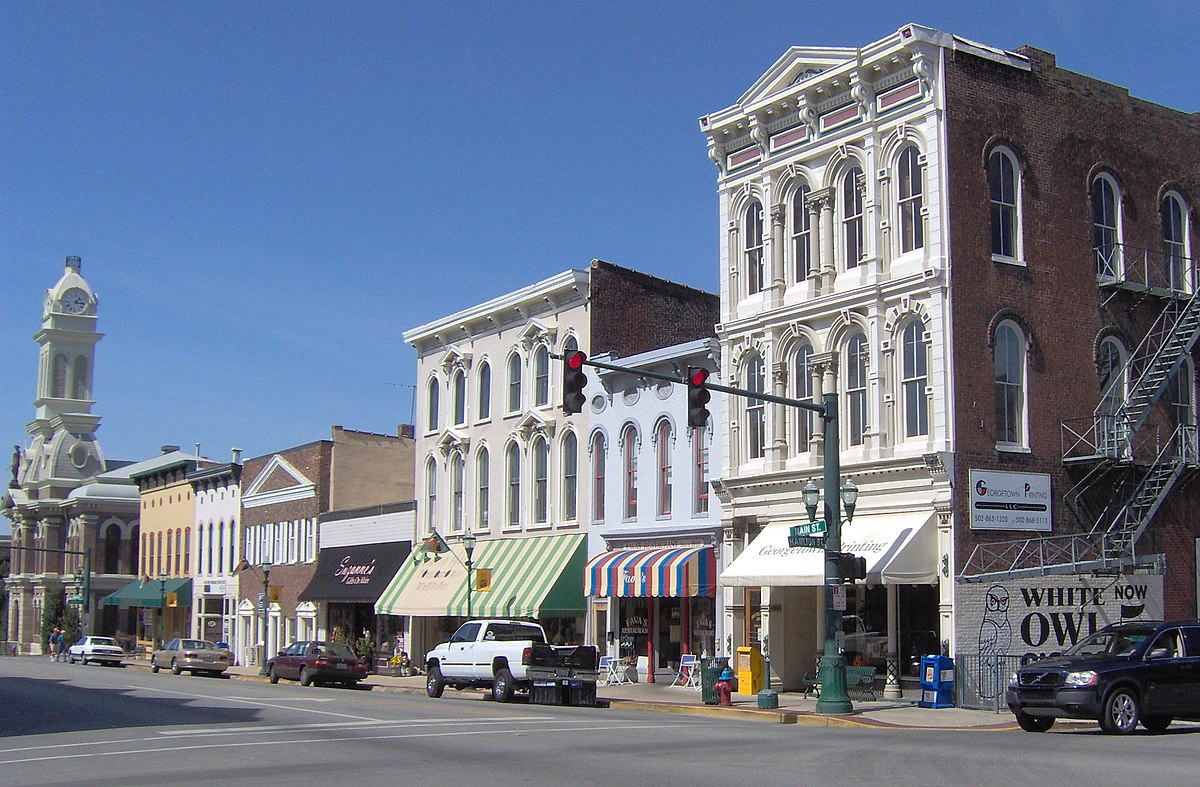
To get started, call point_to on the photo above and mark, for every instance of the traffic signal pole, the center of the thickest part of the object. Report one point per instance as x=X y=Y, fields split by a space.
x=832 y=674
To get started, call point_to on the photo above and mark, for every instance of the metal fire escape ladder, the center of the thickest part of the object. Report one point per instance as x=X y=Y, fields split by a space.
x=1112 y=539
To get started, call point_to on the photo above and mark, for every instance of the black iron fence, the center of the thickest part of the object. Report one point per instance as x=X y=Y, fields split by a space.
x=981 y=678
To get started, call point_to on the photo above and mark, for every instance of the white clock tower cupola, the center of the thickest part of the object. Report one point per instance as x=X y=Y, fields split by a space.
x=64 y=446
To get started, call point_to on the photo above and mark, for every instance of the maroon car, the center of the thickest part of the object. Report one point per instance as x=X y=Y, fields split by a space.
x=317 y=661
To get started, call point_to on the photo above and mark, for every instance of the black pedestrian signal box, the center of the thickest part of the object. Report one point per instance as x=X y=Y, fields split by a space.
x=851 y=567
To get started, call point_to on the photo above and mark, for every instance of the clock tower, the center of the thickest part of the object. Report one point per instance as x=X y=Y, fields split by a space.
x=64 y=450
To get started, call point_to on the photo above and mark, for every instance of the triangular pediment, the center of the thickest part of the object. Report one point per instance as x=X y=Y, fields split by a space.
x=537 y=331
x=450 y=440
x=532 y=423
x=279 y=481
x=796 y=65
x=455 y=358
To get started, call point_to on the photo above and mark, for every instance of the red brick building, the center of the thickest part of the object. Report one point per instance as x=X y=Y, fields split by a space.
x=991 y=260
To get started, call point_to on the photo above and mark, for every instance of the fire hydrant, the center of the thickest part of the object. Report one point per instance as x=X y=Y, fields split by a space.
x=722 y=687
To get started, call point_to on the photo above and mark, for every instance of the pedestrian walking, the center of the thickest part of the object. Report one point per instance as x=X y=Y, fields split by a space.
x=51 y=641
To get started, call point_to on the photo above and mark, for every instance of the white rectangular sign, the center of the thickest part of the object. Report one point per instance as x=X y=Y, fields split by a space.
x=839 y=597
x=1010 y=501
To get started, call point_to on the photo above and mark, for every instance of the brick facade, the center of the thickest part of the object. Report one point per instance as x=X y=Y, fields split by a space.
x=633 y=312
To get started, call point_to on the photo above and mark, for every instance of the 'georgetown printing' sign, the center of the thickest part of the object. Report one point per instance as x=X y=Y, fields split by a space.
x=1010 y=501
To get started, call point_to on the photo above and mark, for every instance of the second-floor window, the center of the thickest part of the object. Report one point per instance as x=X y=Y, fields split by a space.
x=756 y=409
x=456 y=492
x=570 y=482
x=630 y=442
x=1010 y=385
x=856 y=388
x=803 y=390
x=482 y=479
x=915 y=375
x=430 y=495
x=598 y=461
x=700 y=471
x=541 y=481
x=512 y=513
x=663 y=444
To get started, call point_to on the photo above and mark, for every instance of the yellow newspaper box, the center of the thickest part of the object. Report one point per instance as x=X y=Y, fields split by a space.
x=750 y=672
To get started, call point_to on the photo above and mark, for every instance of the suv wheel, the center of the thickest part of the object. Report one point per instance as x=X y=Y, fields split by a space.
x=1121 y=712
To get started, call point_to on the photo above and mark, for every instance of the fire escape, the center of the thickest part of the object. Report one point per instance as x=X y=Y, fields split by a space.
x=1131 y=465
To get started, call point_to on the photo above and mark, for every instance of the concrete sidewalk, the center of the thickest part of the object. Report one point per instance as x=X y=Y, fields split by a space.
x=794 y=708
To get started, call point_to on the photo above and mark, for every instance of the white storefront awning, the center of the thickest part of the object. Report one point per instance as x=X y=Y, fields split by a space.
x=900 y=549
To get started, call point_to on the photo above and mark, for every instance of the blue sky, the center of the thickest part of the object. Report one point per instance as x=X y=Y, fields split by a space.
x=265 y=195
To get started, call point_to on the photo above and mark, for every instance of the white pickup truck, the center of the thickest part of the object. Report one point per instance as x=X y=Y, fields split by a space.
x=508 y=656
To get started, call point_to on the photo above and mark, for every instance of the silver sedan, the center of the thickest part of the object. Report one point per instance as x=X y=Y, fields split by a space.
x=193 y=655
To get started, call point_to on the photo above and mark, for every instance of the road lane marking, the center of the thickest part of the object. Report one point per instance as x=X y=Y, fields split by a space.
x=258 y=703
x=288 y=699
x=292 y=741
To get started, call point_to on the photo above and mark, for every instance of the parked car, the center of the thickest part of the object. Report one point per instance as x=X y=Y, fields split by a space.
x=1145 y=672
x=511 y=655
x=102 y=650
x=859 y=640
x=193 y=655
x=317 y=661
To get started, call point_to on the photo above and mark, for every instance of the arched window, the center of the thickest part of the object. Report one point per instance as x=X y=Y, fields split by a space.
x=1106 y=228
x=79 y=385
x=630 y=444
x=233 y=556
x=1010 y=385
x=802 y=389
x=484 y=408
x=1175 y=242
x=1111 y=367
x=432 y=404
x=458 y=390
x=541 y=480
x=801 y=233
x=483 y=473
x=170 y=551
x=1004 y=191
x=514 y=383
x=1180 y=397
x=456 y=492
x=856 y=389
x=187 y=551
x=700 y=471
x=59 y=382
x=662 y=439
x=431 y=495
x=204 y=549
x=752 y=234
x=852 y=217
x=914 y=377
x=541 y=376
x=570 y=481
x=598 y=462
x=756 y=411
x=512 y=464
x=911 y=185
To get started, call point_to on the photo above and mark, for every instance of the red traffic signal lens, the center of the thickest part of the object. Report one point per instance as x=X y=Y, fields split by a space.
x=699 y=376
x=575 y=360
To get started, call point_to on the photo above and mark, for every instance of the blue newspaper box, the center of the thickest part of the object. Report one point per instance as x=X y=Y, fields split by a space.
x=937 y=682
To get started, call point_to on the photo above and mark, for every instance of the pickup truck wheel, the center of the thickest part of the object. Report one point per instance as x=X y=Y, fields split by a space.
x=1034 y=723
x=306 y=677
x=1157 y=723
x=1121 y=712
x=434 y=685
x=502 y=686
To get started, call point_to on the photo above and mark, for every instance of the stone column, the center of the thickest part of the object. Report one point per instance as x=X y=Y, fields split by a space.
x=828 y=269
x=824 y=381
x=814 y=239
x=779 y=442
x=734 y=255
x=891 y=684
x=778 y=218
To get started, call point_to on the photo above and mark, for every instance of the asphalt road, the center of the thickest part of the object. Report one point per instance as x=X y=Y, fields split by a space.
x=69 y=724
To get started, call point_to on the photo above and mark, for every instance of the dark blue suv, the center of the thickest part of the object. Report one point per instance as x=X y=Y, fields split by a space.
x=1145 y=672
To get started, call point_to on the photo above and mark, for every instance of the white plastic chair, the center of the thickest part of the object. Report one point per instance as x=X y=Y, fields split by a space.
x=610 y=672
x=688 y=675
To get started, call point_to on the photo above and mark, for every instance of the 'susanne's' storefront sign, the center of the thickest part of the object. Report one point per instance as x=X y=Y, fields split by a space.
x=350 y=573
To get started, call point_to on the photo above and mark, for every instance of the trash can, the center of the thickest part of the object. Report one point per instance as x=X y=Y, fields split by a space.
x=751 y=677
x=937 y=682
x=710 y=673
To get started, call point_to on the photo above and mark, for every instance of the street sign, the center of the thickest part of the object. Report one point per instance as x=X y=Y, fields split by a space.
x=813 y=542
x=811 y=528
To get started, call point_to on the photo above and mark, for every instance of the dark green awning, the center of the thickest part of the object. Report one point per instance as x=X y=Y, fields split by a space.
x=151 y=592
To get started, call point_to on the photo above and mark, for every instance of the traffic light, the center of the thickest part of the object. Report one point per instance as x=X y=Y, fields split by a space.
x=851 y=567
x=574 y=381
x=698 y=396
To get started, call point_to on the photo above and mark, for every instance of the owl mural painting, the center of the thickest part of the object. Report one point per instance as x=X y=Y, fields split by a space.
x=995 y=637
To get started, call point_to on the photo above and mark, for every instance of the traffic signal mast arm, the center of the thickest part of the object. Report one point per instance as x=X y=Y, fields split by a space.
x=671 y=378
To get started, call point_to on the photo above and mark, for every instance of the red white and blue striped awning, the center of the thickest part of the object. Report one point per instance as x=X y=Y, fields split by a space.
x=670 y=572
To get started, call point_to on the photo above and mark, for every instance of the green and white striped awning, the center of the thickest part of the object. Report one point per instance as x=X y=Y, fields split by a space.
x=530 y=577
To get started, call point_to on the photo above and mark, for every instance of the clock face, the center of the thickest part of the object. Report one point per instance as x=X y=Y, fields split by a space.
x=74 y=301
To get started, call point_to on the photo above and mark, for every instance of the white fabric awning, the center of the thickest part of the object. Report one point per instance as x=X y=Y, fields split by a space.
x=900 y=549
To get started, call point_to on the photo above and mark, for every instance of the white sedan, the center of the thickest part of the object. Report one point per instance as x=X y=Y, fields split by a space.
x=102 y=650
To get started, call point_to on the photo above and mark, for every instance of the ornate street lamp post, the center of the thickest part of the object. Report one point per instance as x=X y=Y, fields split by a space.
x=468 y=542
x=162 y=608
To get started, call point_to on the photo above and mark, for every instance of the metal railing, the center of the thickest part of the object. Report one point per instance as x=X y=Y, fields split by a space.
x=980 y=680
x=1132 y=267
